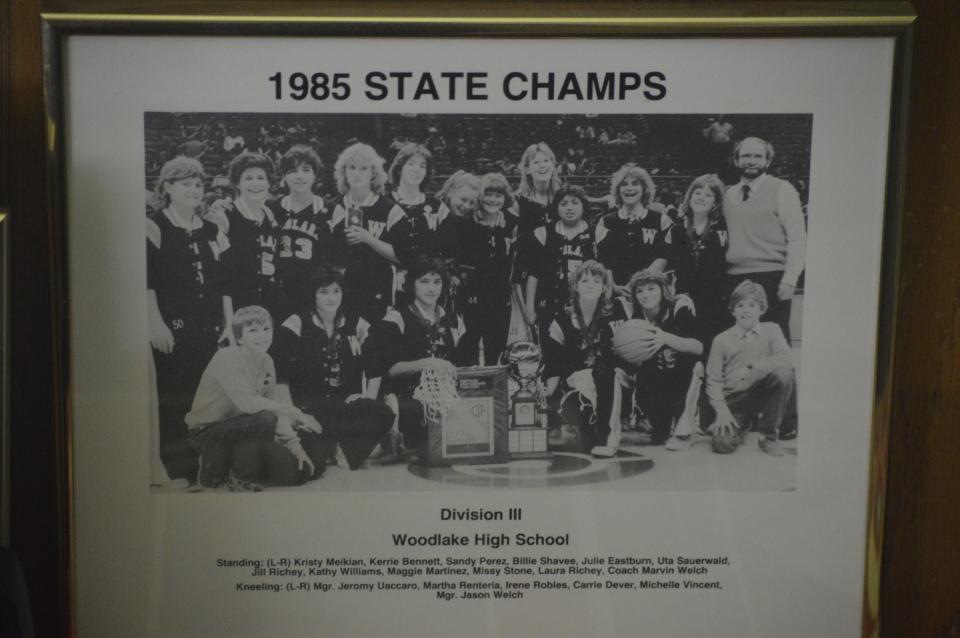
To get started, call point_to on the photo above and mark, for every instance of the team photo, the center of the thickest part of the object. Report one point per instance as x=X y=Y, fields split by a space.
x=413 y=301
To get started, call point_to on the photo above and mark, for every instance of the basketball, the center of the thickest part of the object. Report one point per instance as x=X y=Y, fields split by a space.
x=725 y=443
x=631 y=341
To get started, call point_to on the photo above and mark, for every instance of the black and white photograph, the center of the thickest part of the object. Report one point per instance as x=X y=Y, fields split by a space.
x=323 y=291
x=401 y=336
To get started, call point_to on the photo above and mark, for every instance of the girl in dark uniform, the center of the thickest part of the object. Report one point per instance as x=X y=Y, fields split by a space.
x=419 y=334
x=305 y=240
x=663 y=379
x=634 y=237
x=322 y=349
x=460 y=196
x=539 y=182
x=701 y=257
x=580 y=362
x=252 y=228
x=410 y=170
x=372 y=233
x=186 y=303
x=558 y=250
x=487 y=253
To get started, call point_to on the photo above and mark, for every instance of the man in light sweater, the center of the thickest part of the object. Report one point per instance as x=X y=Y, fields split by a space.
x=766 y=229
x=241 y=422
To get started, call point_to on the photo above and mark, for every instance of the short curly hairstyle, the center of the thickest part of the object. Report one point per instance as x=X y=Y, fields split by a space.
x=299 y=154
x=247 y=160
x=632 y=170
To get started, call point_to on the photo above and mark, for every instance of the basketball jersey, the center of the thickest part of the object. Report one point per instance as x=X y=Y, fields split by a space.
x=487 y=251
x=184 y=270
x=368 y=277
x=559 y=257
x=404 y=335
x=304 y=241
x=433 y=229
x=251 y=260
x=321 y=364
x=626 y=246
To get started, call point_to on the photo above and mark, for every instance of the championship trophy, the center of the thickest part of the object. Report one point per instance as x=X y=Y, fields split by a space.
x=528 y=403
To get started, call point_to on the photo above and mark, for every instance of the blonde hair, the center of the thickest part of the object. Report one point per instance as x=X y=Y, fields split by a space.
x=749 y=290
x=177 y=169
x=367 y=156
x=527 y=189
x=249 y=316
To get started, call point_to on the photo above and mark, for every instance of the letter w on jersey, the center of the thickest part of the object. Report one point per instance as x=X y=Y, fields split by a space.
x=377 y=228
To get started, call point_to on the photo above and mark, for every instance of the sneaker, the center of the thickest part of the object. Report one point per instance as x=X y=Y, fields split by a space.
x=603 y=451
x=788 y=436
x=238 y=485
x=678 y=443
x=771 y=447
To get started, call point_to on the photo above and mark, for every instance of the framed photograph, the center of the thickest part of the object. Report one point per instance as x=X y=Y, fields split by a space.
x=478 y=321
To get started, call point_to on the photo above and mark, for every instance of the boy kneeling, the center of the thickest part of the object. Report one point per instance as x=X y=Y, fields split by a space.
x=238 y=411
x=750 y=374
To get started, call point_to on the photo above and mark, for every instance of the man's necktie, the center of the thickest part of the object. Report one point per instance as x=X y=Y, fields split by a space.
x=746 y=191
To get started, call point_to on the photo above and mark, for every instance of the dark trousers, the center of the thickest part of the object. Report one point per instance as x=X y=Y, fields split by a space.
x=356 y=426
x=489 y=321
x=238 y=444
x=778 y=311
x=773 y=399
x=661 y=395
x=411 y=421
x=178 y=374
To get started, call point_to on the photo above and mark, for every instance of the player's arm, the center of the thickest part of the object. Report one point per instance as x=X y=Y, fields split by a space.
x=530 y=300
x=228 y=336
x=161 y=337
x=679 y=340
x=724 y=423
x=417 y=366
x=790 y=212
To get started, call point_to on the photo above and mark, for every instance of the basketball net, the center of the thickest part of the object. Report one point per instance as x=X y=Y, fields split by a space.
x=437 y=392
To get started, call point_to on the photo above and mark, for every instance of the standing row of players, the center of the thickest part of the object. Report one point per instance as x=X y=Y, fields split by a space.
x=497 y=244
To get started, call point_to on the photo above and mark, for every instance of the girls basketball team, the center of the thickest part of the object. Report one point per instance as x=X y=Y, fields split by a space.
x=288 y=333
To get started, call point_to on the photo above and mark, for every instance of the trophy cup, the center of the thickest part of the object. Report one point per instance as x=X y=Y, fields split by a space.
x=528 y=404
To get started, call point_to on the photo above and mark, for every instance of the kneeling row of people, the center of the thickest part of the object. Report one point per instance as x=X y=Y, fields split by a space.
x=246 y=426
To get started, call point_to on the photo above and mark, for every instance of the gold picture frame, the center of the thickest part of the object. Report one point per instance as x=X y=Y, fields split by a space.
x=545 y=21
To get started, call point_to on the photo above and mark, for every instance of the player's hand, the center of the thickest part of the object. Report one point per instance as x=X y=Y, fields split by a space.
x=309 y=423
x=725 y=425
x=357 y=235
x=227 y=338
x=622 y=377
x=657 y=338
x=161 y=338
x=785 y=291
x=303 y=459
x=353 y=397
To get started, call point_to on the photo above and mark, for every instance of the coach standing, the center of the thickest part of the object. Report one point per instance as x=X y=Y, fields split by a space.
x=766 y=229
